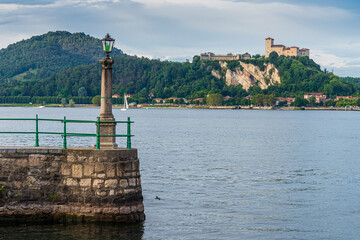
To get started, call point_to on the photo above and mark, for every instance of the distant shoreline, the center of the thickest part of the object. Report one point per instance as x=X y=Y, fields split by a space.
x=192 y=107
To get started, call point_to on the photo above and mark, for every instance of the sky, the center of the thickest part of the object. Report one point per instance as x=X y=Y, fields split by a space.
x=177 y=30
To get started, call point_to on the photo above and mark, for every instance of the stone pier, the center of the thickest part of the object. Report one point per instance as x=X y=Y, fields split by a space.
x=44 y=184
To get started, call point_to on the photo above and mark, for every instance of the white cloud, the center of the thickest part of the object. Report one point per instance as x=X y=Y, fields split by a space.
x=179 y=29
x=340 y=64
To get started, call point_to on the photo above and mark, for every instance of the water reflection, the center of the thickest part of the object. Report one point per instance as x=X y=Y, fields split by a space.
x=72 y=232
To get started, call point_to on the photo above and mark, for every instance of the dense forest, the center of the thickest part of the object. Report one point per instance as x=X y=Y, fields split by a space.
x=47 y=54
x=64 y=65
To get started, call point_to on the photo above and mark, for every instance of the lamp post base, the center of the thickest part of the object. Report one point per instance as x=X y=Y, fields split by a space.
x=108 y=129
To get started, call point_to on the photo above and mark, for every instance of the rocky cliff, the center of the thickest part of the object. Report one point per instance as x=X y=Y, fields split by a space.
x=249 y=75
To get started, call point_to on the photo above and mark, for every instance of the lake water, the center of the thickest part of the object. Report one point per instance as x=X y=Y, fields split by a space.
x=224 y=174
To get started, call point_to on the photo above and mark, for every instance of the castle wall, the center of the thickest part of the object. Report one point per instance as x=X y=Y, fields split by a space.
x=211 y=56
x=293 y=51
x=225 y=57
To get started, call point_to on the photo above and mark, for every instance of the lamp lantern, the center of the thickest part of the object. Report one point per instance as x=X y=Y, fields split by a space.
x=107 y=44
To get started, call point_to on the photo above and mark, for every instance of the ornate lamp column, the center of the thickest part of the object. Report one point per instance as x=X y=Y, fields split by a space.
x=106 y=92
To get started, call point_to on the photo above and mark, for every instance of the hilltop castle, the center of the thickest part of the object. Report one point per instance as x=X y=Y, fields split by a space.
x=282 y=50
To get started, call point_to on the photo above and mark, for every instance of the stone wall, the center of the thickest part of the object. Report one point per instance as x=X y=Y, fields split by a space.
x=76 y=184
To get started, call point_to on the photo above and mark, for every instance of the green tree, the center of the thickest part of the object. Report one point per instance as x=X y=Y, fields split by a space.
x=300 y=101
x=258 y=100
x=273 y=56
x=82 y=92
x=71 y=103
x=96 y=100
x=312 y=101
x=214 y=99
x=330 y=103
x=63 y=102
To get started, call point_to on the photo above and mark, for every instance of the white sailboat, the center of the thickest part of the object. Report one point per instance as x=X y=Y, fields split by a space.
x=126 y=105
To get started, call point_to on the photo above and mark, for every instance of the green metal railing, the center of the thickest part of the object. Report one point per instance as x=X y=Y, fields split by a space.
x=65 y=134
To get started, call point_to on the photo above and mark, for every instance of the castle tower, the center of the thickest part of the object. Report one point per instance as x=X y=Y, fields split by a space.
x=268 y=46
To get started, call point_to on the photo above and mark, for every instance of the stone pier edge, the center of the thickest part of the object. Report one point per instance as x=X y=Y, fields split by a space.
x=84 y=185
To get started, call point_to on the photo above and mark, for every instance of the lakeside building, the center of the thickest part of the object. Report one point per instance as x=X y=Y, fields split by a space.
x=249 y=97
x=288 y=100
x=319 y=97
x=283 y=50
x=345 y=97
x=158 y=100
x=200 y=100
x=173 y=99
x=229 y=57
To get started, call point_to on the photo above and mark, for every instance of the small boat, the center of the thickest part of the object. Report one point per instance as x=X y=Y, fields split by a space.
x=126 y=105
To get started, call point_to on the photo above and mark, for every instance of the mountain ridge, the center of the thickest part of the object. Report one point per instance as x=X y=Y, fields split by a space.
x=61 y=63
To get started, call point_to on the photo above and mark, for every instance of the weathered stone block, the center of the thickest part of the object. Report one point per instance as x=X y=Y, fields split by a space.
x=97 y=210
x=127 y=167
x=124 y=183
x=135 y=166
x=119 y=169
x=111 y=183
x=34 y=161
x=81 y=159
x=128 y=191
x=30 y=180
x=55 y=164
x=85 y=182
x=36 y=195
x=141 y=207
x=100 y=175
x=16 y=185
x=99 y=167
x=98 y=183
x=71 y=158
x=110 y=170
x=89 y=170
x=132 y=182
x=77 y=171
x=21 y=162
x=91 y=159
x=85 y=210
x=100 y=193
x=111 y=210
x=71 y=182
x=128 y=174
x=65 y=169
x=125 y=210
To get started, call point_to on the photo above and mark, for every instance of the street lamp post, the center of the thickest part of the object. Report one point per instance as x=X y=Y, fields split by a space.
x=106 y=92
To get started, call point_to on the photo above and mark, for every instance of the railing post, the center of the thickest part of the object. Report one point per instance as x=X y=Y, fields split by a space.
x=64 y=138
x=98 y=133
x=128 y=134
x=36 y=131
